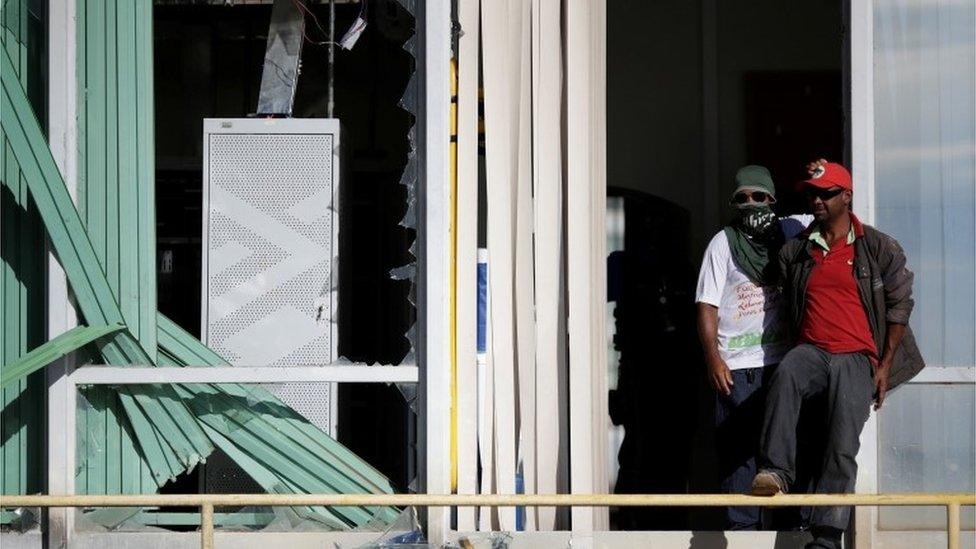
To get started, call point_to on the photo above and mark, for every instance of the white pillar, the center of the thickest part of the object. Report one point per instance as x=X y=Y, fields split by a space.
x=861 y=27
x=436 y=307
x=61 y=316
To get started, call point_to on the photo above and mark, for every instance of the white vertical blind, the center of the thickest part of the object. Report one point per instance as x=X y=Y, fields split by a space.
x=544 y=389
x=585 y=43
x=466 y=258
x=501 y=23
x=550 y=279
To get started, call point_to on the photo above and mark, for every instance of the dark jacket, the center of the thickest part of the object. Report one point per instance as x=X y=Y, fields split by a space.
x=883 y=280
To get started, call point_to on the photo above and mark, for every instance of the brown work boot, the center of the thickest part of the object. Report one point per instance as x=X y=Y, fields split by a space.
x=767 y=483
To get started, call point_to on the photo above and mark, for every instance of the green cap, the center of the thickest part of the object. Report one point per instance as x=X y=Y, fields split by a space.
x=755 y=178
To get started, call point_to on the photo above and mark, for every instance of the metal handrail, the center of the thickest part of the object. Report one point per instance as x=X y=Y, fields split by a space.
x=206 y=502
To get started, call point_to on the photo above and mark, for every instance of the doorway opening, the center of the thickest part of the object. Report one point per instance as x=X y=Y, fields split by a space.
x=695 y=90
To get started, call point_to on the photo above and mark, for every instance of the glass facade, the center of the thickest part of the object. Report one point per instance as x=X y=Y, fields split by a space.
x=925 y=163
x=925 y=188
x=920 y=451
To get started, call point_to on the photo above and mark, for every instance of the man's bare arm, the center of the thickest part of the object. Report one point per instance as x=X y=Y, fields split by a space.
x=892 y=340
x=719 y=375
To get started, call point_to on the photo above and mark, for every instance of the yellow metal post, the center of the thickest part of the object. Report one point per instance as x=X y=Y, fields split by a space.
x=453 y=277
x=206 y=525
x=953 y=530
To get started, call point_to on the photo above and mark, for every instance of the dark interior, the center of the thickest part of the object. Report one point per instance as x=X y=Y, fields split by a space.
x=208 y=63
x=696 y=90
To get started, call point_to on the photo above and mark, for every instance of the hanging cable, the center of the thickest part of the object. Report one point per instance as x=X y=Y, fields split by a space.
x=348 y=40
x=331 y=102
x=304 y=9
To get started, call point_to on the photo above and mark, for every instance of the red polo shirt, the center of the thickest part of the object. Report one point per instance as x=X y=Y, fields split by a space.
x=834 y=318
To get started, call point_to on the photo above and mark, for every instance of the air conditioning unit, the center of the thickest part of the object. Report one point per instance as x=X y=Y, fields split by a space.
x=270 y=250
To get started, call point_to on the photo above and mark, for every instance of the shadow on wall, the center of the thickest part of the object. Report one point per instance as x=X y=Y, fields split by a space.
x=652 y=282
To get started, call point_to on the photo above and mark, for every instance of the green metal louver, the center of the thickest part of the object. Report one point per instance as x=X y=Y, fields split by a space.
x=116 y=164
x=59 y=347
x=22 y=284
x=171 y=442
x=115 y=190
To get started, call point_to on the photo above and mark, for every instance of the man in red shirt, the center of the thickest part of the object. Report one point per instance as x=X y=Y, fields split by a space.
x=849 y=297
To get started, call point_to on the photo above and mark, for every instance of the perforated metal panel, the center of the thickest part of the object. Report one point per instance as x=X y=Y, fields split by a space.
x=270 y=228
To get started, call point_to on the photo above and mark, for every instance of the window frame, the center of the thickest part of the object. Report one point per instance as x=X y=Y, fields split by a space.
x=64 y=376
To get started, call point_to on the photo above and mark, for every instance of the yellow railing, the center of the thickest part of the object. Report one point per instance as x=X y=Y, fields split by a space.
x=207 y=502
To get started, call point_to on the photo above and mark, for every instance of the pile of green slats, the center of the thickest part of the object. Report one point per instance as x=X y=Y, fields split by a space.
x=59 y=347
x=176 y=427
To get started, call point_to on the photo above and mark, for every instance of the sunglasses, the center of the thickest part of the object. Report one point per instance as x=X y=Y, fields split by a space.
x=757 y=196
x=822 y=194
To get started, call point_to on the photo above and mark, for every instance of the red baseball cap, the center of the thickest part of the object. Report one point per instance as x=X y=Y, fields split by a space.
x=830 y=175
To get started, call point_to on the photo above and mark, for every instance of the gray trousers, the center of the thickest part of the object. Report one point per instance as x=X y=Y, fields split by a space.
x=847 y=382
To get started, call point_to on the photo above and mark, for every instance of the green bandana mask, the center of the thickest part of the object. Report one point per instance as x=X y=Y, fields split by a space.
x=754 y=238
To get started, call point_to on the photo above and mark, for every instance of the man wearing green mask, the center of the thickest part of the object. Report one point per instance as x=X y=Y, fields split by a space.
x=742 y=328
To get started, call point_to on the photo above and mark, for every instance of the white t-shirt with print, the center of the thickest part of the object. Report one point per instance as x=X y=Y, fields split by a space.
x=751 y=318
